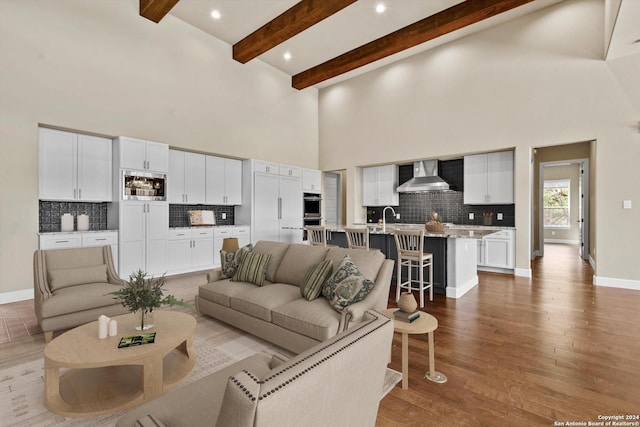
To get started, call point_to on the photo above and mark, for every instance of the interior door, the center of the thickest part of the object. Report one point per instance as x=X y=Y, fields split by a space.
x=584 y=209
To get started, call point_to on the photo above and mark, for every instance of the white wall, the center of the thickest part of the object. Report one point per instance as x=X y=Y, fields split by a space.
x=535 y=81
x=97 y=66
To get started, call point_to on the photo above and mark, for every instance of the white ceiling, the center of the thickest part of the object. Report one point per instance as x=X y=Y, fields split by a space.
x=625 y=39
x=354 y=26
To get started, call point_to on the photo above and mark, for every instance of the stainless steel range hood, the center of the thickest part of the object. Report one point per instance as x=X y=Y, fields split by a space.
x=425 y=178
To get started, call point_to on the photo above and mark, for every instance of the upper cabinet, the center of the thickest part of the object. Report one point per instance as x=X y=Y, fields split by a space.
x=74 y=167
x=139 y=154
x=311 y=181
x=224 y=181
x=488 y=178
x=379 y=186
x=186 y=181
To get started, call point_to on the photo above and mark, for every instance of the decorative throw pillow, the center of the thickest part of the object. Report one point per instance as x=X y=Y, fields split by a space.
x=314 y=279
x=229 y=260
x=252 y=268
x=346 y=286
x=66 y=277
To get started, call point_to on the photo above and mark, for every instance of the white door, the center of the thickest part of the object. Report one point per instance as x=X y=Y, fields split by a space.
x=215 y=175
x=179 y=254
x=194 y=181
x=475 y=179
x=157 y=156
x=584 y=209
x=387 y=185
x=497 y=253
x=233 y=182
x=291 y=208
x=175 y=179
x=132 y=153
x=202 y=252
x=266 y=207
x=57 y=165
x=370 y=186
x=500 y=177
x=94 y=168
x=157 y=228
x=132 y=237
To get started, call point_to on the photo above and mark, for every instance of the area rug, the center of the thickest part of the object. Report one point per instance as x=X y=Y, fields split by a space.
x=22 y=385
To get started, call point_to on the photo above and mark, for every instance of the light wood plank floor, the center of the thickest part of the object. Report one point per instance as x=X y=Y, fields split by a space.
x=525 y=352
x=517 y=351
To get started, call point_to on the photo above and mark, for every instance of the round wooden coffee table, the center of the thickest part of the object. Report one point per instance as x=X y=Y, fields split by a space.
x=425 y=324
x=101 y=378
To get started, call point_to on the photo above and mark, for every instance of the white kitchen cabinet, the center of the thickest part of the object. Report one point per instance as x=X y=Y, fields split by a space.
x=74 y=167
x=265 y=167
x=488 y=178
x=223 y=181
x=272 y=203
x=190 y=249
x=186 y=180
x=103 y=238
x=497 y=250
x=60 y=241
x=143 y=229
x=140 y=154
x=242 y=233
x=311 y=181
x=379 y=186
x=82 y=240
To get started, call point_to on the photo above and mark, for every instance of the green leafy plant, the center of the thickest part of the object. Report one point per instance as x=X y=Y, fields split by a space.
x=145 y=293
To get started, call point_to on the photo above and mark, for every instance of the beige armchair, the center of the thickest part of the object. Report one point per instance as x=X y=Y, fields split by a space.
x=71 y=287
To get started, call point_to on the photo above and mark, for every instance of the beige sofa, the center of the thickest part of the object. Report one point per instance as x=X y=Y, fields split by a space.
x=277 y=312
x=71 y=287
x=335 y=383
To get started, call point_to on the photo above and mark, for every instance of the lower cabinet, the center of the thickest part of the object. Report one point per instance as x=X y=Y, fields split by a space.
x=190 y=249
x=497 y=250
x=82 y=240
x=242 y=233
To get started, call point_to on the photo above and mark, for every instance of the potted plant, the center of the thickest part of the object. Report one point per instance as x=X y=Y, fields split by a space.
x=143 y=294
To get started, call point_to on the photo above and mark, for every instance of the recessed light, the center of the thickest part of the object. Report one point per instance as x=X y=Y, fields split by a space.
x=380 y=7
x=215 y=14
x=287 y=56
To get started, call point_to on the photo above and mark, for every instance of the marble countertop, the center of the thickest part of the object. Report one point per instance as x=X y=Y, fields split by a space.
x=210 y=226
x=450 y=231
x=50 y=233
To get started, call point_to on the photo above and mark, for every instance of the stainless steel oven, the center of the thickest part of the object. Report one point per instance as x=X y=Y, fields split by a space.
x=138 y=185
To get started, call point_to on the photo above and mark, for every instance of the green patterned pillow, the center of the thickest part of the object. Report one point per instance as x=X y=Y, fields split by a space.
x=229 y=260
x=346 y=286
x=314 y=280
x=252 y=268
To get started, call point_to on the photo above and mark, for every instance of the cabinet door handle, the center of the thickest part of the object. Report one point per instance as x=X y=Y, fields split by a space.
x=99 y=239
x=74 y=193
x=79 y=193
x=62 y=241
x=279 y=207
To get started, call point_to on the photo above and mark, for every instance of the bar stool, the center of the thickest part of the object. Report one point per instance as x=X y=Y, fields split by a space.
x=357 y=238
x=317 y=235
x=411 y=254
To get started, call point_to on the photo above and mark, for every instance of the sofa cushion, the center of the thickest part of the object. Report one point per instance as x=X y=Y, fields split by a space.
x=277 y=251
x=314 y=319
x=346 y=286
x=297 y=261
x=259 y=302
x=367 y=261
x=230 y=260
x=65 y=277
x=252 y=268
x=74 y=258
x=221 y=291
x=78 y=298
x=315 y=278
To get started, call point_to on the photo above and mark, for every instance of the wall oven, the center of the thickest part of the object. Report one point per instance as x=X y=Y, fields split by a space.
x=138 y=185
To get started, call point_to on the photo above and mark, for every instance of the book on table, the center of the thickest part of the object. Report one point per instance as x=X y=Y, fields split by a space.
x=407 y=317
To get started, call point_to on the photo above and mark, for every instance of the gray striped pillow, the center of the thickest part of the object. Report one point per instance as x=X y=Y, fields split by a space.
x=315 y=278
x=252 y=268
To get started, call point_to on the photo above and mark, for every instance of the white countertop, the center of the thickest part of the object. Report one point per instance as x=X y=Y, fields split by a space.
x=50 y=233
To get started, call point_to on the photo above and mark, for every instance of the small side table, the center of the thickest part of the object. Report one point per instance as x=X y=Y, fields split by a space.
x=425 y=324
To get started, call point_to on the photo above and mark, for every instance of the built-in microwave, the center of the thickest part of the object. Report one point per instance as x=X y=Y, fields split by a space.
x=138 y=185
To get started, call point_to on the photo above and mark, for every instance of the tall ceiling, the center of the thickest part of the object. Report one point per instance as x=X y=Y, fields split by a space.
x=353 y=24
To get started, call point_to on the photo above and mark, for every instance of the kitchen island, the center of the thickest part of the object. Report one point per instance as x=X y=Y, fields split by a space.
x=454 y=253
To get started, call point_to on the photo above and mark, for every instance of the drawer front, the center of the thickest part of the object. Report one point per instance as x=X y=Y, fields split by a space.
x=99 y=239
x=180 y=234
x=202 y=233
x=502 y=234
x=61 y=241
x=224 y=232
x=241 y=231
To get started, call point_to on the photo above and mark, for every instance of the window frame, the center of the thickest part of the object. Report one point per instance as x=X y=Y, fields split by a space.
x=566 y=181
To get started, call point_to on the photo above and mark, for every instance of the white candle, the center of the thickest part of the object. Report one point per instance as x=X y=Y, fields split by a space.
x=66 y=222
x=103 y=325
x=113 y=328
x=83 y=222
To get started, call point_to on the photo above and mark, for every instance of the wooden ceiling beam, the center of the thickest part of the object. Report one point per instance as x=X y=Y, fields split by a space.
x=293 y=21
x=454 y=18
x=155 y=10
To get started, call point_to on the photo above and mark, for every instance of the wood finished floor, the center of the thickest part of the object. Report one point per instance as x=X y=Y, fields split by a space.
x=525 y=352
x=516 y=351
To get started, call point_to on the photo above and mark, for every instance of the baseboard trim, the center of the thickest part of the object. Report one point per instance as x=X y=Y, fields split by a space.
x=612 y=282
x=566 y=241
x=458 y=291
x=15 y=296
x=592 y=262
x=522 y=272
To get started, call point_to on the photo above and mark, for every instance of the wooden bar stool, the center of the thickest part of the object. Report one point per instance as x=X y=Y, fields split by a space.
x=411 y=254
x=317 y=235
x=357 y=238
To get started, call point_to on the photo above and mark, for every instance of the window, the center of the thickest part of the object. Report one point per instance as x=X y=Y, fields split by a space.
x=556 y=203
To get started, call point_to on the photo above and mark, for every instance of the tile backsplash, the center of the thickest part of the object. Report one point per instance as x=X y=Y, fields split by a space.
x=50 y=213
x=178 y=216
x=415 y=207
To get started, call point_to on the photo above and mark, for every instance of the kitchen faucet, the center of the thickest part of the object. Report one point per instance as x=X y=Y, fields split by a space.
x=384 y=219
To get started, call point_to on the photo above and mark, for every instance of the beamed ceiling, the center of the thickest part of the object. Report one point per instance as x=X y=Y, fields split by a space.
x=332 y=40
